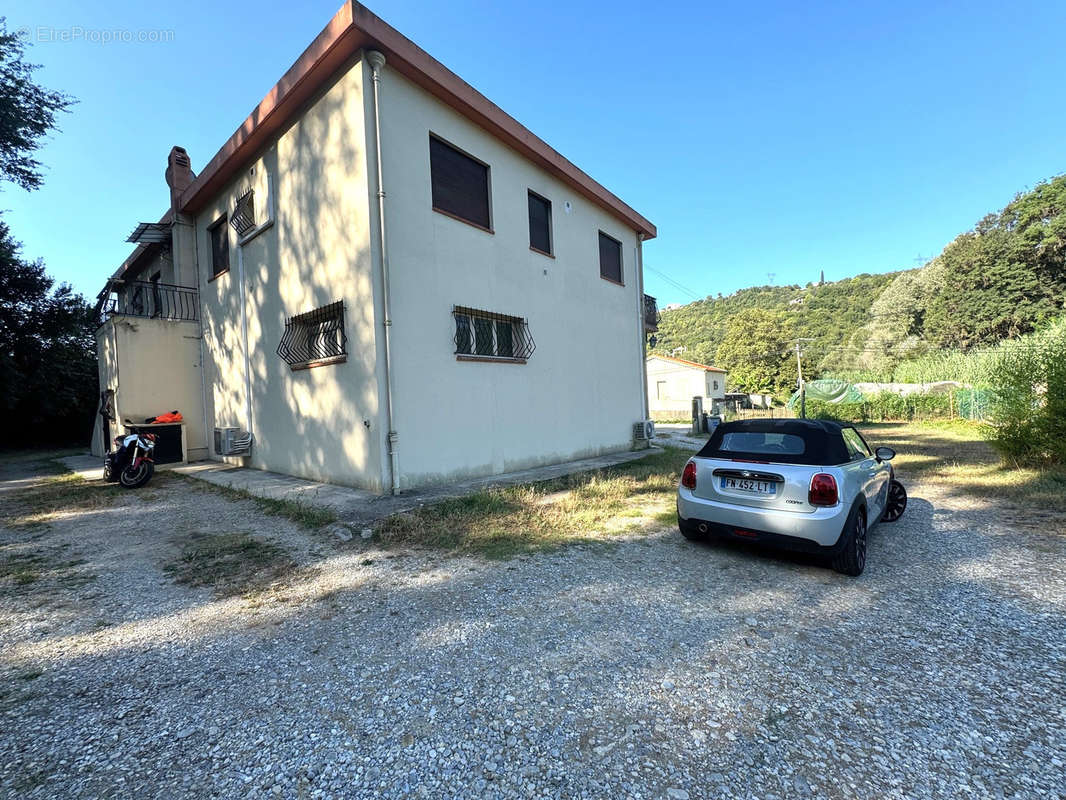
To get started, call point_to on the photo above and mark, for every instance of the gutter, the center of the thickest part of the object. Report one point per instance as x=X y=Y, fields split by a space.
x=643 y=333
x=377 y=61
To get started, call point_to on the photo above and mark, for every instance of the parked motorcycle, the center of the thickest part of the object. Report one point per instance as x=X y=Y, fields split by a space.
x=130 y=463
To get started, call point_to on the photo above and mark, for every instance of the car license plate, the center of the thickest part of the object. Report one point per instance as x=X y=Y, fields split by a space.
x=745 y=485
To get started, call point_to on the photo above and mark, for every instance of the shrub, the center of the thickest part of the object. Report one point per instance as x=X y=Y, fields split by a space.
x=1028 y=399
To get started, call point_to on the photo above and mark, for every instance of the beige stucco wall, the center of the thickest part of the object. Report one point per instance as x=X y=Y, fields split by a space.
x=581 y=391
x=321 y=423
x=672 y=386
x=153 y=365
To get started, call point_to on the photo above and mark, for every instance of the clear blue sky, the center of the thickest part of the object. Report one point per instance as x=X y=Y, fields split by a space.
x=775 y=137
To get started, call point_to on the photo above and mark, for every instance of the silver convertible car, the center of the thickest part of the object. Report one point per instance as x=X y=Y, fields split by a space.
x=807 y=485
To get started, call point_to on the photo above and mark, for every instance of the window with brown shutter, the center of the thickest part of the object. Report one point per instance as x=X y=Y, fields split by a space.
x=460 y=184
x=610 y=258
x=219 y=235
x=540 y=224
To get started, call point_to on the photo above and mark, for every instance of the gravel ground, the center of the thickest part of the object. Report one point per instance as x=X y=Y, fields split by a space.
x=651 y=668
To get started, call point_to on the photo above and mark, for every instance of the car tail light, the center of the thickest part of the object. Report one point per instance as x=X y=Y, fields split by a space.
x=823 y=490
x=688 y=477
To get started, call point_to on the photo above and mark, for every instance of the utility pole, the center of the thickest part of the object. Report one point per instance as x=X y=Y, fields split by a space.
x=800 y=383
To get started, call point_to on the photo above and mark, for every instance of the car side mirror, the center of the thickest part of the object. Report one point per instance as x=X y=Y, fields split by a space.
x=885 y=453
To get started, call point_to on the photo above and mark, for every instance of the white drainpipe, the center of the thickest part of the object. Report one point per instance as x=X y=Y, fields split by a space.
x=643 y=333
x=377 y=61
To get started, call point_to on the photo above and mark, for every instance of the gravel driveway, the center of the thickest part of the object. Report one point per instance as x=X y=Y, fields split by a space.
x=651 y=668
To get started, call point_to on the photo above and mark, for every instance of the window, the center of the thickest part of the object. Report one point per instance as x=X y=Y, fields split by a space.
x=661 y=390
x=857 y=449
x=763 y=443
x=315 y=338
x=460 y=184
x=716 y=386
x=540 y=224
x=610 y=258
x=243 y=219
x=485 y=335
x=219 y=234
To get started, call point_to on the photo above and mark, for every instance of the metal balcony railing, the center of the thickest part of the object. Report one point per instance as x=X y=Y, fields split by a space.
x=153 y=300
x=651 y=314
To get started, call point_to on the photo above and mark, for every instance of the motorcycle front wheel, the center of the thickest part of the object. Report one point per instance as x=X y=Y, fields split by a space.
x=135 y=477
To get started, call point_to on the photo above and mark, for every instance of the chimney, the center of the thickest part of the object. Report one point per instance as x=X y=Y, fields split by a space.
x=179 y=175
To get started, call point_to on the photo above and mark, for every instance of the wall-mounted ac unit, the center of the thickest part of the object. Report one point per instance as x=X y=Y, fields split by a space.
x=644 y=431
x=232 y=442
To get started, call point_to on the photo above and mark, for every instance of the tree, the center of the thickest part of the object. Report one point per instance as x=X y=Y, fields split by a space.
x=27 y=112
x=47 y=353
x=755 y=351
x=47 y=348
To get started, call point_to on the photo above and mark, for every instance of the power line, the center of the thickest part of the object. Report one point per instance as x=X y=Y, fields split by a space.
x=675 y=284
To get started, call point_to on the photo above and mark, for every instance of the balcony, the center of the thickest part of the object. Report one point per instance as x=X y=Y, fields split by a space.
x=651 y=314
x=153 y=300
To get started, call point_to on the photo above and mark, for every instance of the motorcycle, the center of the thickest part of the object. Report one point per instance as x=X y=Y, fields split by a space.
x=130 y=463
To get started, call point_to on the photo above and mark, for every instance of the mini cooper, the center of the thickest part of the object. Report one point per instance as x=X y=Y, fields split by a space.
x=808 y=485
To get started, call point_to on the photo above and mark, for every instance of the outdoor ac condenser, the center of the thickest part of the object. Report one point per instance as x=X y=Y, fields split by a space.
x=232 y=442
x=644 y=431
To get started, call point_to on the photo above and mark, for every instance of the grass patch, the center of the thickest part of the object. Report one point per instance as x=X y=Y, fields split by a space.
x=26 y=568
x=952 y=455
x=231 y=563
x=306 y=516
x=40 y=502
x=584 y=508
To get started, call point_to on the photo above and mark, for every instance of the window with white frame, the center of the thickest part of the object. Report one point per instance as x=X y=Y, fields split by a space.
x=486 y=335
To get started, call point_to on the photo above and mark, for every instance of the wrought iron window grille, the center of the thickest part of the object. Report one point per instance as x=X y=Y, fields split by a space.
x=488 y=335
x=243 y=218
x=314 y=338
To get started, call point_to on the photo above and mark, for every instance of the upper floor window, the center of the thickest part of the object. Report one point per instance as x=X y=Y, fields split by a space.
x=460 y=184
x=219 y=235
x=540 y=224
x=610 y=258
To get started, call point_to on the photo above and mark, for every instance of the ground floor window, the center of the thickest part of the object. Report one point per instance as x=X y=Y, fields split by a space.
x=486 y=335
x=315 y=338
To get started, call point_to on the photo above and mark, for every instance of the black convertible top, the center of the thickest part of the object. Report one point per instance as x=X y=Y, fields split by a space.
x=823 y=442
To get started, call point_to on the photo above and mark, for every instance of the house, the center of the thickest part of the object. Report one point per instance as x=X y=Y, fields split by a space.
x=383 y=280
x=673 y=382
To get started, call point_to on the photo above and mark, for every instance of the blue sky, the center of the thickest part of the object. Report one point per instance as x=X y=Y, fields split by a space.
x=774 y=137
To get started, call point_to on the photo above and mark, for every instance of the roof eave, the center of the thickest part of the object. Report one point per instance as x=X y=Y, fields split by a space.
x=352 y=29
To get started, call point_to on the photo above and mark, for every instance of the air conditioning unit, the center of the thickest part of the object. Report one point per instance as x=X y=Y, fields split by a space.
x=232 y=442
x=644 y=431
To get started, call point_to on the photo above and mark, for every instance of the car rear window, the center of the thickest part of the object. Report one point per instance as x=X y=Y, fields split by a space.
x=762 y=443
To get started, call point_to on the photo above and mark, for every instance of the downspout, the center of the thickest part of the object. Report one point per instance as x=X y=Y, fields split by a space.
x=377 y=61
x=241 y=242
x=643 y=333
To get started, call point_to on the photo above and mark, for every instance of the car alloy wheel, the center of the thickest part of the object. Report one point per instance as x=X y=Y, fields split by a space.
x=896 y=502
x=859 y=542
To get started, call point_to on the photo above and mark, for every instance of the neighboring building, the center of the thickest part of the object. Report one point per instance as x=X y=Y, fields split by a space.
x=673 y=382
x=452 y=299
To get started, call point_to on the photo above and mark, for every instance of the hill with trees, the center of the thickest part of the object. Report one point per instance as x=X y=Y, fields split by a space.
x=1001 y=280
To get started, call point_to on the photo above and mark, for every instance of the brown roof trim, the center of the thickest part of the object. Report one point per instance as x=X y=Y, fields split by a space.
x=352 y=29
x=687 y=363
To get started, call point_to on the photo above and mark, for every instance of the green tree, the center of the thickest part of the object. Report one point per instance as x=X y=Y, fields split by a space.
x=755 y=351
x=27 y=112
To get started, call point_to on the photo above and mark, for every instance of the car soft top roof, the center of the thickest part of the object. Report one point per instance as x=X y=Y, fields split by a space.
x=823 y=442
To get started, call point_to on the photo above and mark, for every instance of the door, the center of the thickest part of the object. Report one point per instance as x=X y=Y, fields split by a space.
x=872 y=474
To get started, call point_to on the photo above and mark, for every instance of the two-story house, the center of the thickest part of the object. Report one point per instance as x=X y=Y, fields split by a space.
x=383 y=280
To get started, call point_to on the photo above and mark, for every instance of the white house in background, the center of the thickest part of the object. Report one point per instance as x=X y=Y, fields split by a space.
x=673 y=382
x=382 y=280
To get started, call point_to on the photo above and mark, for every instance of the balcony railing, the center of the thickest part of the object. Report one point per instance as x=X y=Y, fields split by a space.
x=651 y=314
x=153 y=300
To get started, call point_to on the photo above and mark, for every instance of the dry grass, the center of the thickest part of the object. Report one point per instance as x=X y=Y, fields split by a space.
x=51 y=497
x=953 y=456
x=231 y=563
x=586 y=508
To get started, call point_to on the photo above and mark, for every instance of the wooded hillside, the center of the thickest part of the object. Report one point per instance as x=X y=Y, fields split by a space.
x=1001 y=280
